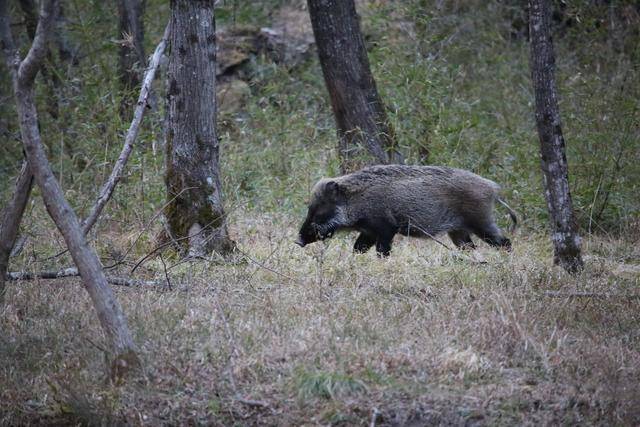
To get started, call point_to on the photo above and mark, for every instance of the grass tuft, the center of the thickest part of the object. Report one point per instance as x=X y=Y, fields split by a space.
x=326 y=385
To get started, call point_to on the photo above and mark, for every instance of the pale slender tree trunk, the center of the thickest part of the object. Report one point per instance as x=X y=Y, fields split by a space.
x=11 y=217
x=109 y=311
x=566 y=241
x=130 y=138
x=12 y=213
x=364 y=132
x=194 y=213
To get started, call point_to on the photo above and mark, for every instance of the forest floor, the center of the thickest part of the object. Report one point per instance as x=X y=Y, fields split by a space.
x=291 y=336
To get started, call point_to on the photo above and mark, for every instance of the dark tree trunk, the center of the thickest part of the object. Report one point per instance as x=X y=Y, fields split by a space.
x=23 y=76
x=566 y=240
x=364 y=131
x=53 y=70
x=194 y=212
x=131 y=61
x=66 y=50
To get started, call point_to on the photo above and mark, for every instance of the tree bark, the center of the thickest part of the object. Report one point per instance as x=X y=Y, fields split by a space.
x=566 y=241
x=11 y=218
x=66 y=49
x=192 y=149
x=364 y=132
x=131 y=59
x=109 y=311
x=12 y=213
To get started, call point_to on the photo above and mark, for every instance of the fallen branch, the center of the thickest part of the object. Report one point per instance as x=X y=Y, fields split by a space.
x=254 y=403
x=132 y=133
x=560 y=294
x=73 y=272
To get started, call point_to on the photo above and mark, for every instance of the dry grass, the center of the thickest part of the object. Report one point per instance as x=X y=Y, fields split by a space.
x=425 y=337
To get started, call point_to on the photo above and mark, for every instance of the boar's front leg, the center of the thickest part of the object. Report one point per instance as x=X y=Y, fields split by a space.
x=364 y=242
x=491 y=234
x=375 y=230
x=385 y=237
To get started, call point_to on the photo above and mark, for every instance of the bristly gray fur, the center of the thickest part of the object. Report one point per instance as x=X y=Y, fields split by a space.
x=434 y=198
x=419 y=201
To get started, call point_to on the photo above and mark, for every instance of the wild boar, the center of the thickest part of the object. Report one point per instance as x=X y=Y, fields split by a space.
x=418 y=201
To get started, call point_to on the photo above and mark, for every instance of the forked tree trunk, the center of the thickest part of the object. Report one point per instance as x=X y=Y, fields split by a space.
x=109 y=311
x=194 y=211
x=364 y=132
x=566 y=241
x=131 y=59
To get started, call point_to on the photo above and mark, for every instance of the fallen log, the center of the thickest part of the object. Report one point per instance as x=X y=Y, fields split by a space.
x=73 y=272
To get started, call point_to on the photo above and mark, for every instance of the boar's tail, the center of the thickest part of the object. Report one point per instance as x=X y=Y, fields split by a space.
x=512 y=214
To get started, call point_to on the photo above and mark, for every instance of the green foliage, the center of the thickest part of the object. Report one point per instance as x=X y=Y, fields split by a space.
x=454 y=77
x=326 y=385
x=458 y=90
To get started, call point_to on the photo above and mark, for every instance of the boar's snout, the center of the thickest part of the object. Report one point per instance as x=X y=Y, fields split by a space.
x=306 y=234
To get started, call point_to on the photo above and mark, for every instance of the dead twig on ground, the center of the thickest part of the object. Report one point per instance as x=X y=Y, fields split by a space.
x=561 y=294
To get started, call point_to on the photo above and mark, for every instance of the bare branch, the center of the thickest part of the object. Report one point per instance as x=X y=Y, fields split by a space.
x=6 y=40
x=132 y=133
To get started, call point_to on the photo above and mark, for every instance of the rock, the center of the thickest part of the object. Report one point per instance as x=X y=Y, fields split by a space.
x=232 y=95
x=234 y=49
x=289 y=39
x=287 y=42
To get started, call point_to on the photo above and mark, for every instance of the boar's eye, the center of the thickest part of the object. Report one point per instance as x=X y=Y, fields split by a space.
x=323 y=216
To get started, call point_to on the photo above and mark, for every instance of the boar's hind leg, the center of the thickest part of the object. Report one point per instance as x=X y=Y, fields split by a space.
x=364 y=242
x=461 y=239
x=491 y=234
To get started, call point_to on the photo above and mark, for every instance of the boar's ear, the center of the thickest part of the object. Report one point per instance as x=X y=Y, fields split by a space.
x=333 y=188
